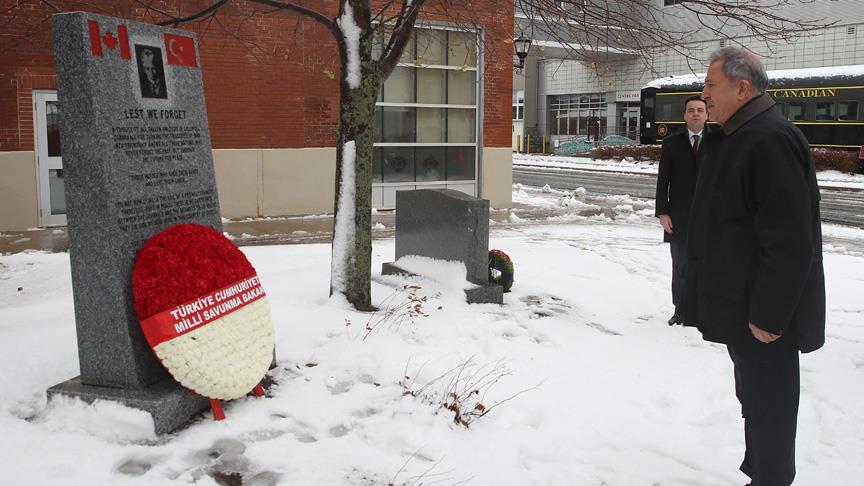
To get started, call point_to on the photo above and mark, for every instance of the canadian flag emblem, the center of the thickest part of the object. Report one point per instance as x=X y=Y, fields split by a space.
x=109 y=40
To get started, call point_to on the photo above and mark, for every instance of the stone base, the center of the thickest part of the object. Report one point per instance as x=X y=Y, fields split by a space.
x=485 y=294
x=170 y=405
x=482 y=294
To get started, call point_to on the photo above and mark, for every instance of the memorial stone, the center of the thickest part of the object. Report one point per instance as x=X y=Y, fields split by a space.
x=447 y=225
x=137 y=158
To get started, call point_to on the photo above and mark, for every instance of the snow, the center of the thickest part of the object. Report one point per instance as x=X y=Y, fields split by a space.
x=351 y=32
x=343 y=231
x=585 y=382
x=449 y=274
x=817 y=72
x=828 y=179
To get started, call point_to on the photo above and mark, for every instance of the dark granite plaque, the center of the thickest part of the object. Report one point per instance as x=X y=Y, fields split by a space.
x=447 y=225
x=137 y=158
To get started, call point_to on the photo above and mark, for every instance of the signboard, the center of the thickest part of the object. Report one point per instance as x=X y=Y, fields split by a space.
x=627 y=96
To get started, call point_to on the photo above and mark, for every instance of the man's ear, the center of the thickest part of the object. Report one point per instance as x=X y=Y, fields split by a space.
x=743 y=89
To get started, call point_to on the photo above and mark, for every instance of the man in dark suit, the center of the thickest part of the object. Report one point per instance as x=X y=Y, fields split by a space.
x=675 y=184
x=755 y=279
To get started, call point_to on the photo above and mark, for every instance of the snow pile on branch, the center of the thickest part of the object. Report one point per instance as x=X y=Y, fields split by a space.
x=343 y=233
x=351 y=31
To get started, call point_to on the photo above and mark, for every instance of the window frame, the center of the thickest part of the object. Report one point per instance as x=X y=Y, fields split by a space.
x=379 y=146
x=858 y=112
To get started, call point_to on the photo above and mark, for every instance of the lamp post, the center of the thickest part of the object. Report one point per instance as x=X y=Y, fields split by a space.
x=522 y=45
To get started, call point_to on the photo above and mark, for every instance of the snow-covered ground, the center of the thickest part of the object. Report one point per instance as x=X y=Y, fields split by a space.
x=583 y=381
x=827 y=179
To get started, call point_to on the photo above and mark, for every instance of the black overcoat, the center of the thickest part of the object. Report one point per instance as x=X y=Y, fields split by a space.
x=676 y=181
x=755 y=240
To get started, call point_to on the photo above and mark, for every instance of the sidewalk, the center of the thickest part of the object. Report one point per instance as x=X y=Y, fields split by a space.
x=262 y=231
x=829 y=179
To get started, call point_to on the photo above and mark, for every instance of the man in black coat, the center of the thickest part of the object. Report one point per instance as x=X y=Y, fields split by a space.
x=676 y=181
x=755 y=279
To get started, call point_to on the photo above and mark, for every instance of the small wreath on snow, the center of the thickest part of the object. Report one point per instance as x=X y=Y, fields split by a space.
x=500 y=269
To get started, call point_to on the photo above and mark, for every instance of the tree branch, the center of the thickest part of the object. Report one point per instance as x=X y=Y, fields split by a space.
x=175 y=21
x=306 y=11
x=400 y=36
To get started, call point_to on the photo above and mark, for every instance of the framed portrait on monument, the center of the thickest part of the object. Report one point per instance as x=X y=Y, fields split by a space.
x=151 y=74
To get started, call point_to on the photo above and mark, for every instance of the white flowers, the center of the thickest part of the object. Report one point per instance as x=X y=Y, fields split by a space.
x=226 y=358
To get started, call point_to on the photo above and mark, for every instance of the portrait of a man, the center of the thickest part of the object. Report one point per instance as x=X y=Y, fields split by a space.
x=151 y=74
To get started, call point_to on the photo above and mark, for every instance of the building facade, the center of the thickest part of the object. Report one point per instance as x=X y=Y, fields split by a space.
x=567 y=99
x=271 y=85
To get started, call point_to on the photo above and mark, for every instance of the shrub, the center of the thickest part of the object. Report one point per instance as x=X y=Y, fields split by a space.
x=618 y=152
x=823 y=159
x=841 y=160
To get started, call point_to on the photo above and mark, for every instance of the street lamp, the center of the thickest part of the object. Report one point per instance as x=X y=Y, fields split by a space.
x=522 y=45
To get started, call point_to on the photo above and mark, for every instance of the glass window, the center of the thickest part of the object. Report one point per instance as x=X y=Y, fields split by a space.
x=847 y=110
x=430 y=125
x=460 y=163
x=376 y=164
x=461 y=87
x=515 y=117
x=418 y=130
x=383 y=37
x=460 y=125
x=399 y=87
x=431 y=46
x=575 y=124
x=796 y=111
x=462 y=49
x=664 y=110
x=431 y=84
x=56 y=191
x=781 y=107
x=825 y=110
x=378 y=119
x=430 y=163
x=398 y=164
x=52 y=124
x=398 y=124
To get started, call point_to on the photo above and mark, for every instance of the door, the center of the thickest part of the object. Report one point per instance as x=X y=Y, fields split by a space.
x=49 y=163
x=518 y=136
x=633 y=123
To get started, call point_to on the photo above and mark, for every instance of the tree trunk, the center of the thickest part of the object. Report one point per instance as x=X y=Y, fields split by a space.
x=356 y=124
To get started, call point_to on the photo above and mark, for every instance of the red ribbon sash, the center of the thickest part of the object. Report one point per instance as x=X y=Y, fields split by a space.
x=192 y=315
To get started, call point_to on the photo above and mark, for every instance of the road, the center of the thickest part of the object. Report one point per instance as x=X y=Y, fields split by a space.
x=838 y=206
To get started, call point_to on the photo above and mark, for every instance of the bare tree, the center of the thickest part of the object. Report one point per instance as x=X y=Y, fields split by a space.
x=588 y=29
x=592 y=31
x=597 y=26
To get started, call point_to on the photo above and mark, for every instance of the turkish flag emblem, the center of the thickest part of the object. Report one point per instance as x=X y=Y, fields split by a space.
x=180 y=50
x=109 y=40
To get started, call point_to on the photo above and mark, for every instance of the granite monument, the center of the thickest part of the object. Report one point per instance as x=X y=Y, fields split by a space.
x=137 y=157
x=447 y=225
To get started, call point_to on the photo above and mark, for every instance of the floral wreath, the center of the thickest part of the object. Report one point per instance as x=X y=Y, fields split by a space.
x=203 y=312
x=500 y=269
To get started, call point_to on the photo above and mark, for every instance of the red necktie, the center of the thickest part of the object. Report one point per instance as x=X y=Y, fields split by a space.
x=695 y=145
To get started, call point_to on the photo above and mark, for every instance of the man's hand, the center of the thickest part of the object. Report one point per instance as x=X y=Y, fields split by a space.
x=763 y=336
x=666 y=223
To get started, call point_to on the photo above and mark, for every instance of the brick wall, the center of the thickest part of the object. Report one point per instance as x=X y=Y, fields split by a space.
x=270 y=79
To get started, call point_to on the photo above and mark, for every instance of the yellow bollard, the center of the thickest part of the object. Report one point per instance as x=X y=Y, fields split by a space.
x=518 y=144
x=528 y=144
